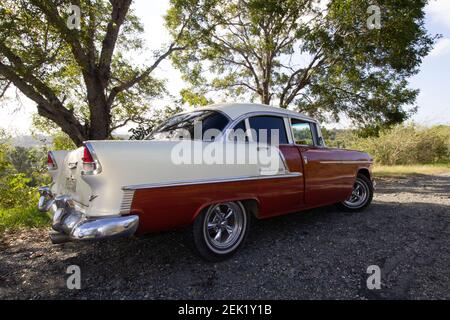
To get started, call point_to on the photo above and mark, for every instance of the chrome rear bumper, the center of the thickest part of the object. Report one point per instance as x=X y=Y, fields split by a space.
x=72 y=225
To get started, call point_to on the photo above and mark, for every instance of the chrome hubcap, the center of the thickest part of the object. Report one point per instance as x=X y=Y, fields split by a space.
x=224 y=226
x=358 y=196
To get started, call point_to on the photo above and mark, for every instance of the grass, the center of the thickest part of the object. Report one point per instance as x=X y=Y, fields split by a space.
x=15 y=218
x=407 y=170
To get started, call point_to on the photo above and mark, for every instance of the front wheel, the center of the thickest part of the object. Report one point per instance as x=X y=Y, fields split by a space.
x=219 y=230
x=361 y=195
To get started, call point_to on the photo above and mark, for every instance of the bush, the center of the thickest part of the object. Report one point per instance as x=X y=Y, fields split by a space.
x=21 y=172
x=15 y=191
x=408 y=144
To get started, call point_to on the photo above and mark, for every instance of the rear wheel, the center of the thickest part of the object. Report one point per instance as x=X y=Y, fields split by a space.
x=219 y=230
x=361 y=195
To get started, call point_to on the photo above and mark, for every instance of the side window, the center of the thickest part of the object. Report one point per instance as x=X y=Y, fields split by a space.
x=238 y=133
x=303 y=132
x=267 y=127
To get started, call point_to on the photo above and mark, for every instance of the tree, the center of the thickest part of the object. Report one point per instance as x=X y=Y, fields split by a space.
x=330 y=60
x=79 y=78
x=157 y=117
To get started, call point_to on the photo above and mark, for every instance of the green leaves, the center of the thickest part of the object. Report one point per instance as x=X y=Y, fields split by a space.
x=322 y=61
x=79 y=78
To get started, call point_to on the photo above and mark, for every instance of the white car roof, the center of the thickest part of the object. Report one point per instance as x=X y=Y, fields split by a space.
x=236 y=110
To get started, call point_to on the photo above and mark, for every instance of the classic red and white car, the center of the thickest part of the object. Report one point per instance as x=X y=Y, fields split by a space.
x=277 y=164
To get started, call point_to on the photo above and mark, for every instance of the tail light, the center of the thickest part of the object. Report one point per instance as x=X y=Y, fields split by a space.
x=51 y=163
x=91 y=165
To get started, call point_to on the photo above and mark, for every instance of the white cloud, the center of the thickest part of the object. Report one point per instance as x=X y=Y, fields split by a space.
x=441 y=48
x=439 y=11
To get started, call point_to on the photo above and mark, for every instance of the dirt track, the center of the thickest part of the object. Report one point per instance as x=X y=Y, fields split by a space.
x=317 y=254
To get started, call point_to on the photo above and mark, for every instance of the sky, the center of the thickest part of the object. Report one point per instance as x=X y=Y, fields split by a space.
x=433 y=80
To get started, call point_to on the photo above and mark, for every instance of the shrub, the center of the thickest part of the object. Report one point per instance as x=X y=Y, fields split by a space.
x=21 y=171
x=15 y=191
x=408 y=144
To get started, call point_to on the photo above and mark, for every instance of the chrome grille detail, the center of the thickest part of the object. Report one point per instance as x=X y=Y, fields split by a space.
x=127 y=199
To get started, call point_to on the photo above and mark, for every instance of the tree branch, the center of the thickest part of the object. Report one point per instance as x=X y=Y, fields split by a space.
x=130 y=83
x=51 y=12
x=239 y=84
x=138 y=78
x=303 y=81
x=52 y=110
x=119 y=12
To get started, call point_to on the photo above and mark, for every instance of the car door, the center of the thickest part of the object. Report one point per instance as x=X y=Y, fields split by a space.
x=287 y=193
x=327 y=180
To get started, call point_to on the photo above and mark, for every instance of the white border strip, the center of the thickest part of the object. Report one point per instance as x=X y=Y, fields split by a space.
x=204 y=181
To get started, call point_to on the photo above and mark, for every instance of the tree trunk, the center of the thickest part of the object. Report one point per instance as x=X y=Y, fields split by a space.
x=99 y=111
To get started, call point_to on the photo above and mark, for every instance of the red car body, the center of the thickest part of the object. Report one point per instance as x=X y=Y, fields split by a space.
x=328 y=176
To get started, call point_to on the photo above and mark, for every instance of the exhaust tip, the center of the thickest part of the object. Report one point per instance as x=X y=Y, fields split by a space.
x=58 y=238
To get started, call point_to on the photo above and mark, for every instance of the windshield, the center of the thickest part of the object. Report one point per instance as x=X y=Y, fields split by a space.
x=202 y=124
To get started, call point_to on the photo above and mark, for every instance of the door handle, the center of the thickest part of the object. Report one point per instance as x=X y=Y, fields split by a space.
x=305 y=159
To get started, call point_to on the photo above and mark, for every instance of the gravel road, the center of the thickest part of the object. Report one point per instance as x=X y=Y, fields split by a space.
x=318 y=254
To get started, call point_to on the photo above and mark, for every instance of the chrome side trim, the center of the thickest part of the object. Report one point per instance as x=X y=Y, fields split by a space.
x=208 y=181
x=127 y=199
x=283 y=159
x=346 y=162
x=288 y=128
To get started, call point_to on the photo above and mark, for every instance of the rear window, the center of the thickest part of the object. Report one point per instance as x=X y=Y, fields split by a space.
x=182 y=126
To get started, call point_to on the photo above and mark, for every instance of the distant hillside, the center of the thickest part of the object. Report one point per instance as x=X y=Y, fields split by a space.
x=28 y=141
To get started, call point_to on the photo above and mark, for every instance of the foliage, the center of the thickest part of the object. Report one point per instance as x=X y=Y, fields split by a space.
x=18 y=191
x=21 y=171
x=339 y=138
x=81 y=79
x=22 y=217
x=401 y=145
x=61 y=141
x=194 y=99
x=158 y=116
x=15 y=191
x=320 y=61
